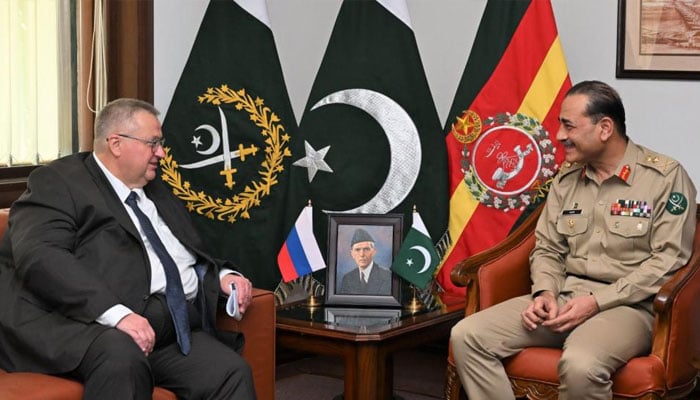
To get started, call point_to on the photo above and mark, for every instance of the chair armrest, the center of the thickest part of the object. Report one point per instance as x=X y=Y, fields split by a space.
x=501 y=272
x=4 y=216
x=677 y=326
x=258 y=328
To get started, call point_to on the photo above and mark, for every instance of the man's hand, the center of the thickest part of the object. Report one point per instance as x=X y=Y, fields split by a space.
x=542 y=308
x=140 y=330
x=573 y=313
x=243 y=287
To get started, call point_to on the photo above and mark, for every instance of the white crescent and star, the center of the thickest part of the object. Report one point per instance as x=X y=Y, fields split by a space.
x=314 y=160
x=426 y=256
x=215 y=139
x=404 y=147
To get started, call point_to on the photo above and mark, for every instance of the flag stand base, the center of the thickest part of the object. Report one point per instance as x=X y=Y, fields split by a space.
x=313 y=302
x=414 y=305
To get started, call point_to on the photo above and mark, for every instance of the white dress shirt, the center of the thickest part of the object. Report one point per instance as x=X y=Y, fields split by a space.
x=184 y=259
x=366 y=271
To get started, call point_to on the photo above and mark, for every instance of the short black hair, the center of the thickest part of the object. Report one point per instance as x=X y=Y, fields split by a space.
x=603 y=101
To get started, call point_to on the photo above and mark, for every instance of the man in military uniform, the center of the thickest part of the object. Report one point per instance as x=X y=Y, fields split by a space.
x=618 y=222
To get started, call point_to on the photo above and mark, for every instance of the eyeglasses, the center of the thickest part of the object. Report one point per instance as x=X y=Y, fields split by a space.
x=153 y=143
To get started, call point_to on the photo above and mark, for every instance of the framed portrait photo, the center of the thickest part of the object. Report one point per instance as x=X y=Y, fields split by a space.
x=361 y=249
x=658 y=39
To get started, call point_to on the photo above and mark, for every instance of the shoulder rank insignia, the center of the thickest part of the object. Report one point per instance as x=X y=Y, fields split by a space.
x=677 y=203
x=659 y=162
x=568 y=167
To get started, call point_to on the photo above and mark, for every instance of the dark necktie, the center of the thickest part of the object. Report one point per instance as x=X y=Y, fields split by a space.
x=363 y=277
x=174 y=293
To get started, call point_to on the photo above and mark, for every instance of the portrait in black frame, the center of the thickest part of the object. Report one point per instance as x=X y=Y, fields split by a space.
x=350 y=234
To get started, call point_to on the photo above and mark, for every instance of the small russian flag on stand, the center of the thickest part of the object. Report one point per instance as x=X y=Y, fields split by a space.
x=300 y=254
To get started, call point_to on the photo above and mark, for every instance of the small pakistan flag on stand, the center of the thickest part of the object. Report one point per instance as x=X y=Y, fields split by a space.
x=417 y=258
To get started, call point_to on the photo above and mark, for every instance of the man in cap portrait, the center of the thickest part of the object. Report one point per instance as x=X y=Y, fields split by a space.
x=368 y=278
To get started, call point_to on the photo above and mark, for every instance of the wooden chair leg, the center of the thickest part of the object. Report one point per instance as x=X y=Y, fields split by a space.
x=452 y=384
x=533 y=390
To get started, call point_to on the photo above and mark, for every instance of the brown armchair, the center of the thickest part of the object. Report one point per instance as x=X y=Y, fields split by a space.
x=670 y=371
x=258 y=326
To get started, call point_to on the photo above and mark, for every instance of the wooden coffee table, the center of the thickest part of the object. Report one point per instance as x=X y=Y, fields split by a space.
x=365 y=339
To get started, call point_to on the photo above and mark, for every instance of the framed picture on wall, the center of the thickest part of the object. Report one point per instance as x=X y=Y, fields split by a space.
x=658 y=39
x=361 y=249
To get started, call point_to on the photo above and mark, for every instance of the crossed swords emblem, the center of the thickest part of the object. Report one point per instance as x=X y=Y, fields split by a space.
x=226 y=153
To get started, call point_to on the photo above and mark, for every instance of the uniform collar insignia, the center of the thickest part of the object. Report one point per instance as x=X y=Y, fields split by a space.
x=624 y=173
x=583 y=173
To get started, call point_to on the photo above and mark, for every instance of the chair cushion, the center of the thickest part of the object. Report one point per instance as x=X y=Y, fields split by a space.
x=537 y=364
x=640 y=375
x=32 y=386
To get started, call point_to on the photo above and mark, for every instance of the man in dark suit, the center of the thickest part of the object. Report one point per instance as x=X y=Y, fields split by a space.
x=368 y=278
x=83 y=284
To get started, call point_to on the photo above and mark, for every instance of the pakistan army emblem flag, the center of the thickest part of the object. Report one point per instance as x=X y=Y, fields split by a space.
x=228 y=130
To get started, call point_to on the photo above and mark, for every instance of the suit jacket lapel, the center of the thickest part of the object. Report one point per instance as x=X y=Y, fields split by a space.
x=109 y=196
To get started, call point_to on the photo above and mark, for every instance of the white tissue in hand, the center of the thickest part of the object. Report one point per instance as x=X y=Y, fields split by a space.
x=232 y=304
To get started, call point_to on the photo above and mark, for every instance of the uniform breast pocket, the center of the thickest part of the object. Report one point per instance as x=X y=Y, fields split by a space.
x=573 y=228
x=628 y=238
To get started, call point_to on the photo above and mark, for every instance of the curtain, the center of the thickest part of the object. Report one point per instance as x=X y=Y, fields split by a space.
x=35 y=81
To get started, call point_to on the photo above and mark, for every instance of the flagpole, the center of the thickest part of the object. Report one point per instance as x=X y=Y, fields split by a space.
x=312 y=302
x=299 y=258
x=415 y=304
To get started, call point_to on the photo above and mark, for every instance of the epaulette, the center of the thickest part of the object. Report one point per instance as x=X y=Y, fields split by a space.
x=659 y=162
x=567 y=168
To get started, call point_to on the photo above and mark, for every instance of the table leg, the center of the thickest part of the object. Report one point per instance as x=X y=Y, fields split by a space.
x=369 y=373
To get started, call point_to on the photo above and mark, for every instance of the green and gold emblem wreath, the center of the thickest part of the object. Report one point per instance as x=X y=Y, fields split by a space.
x=545 y=175
x=276 y=149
